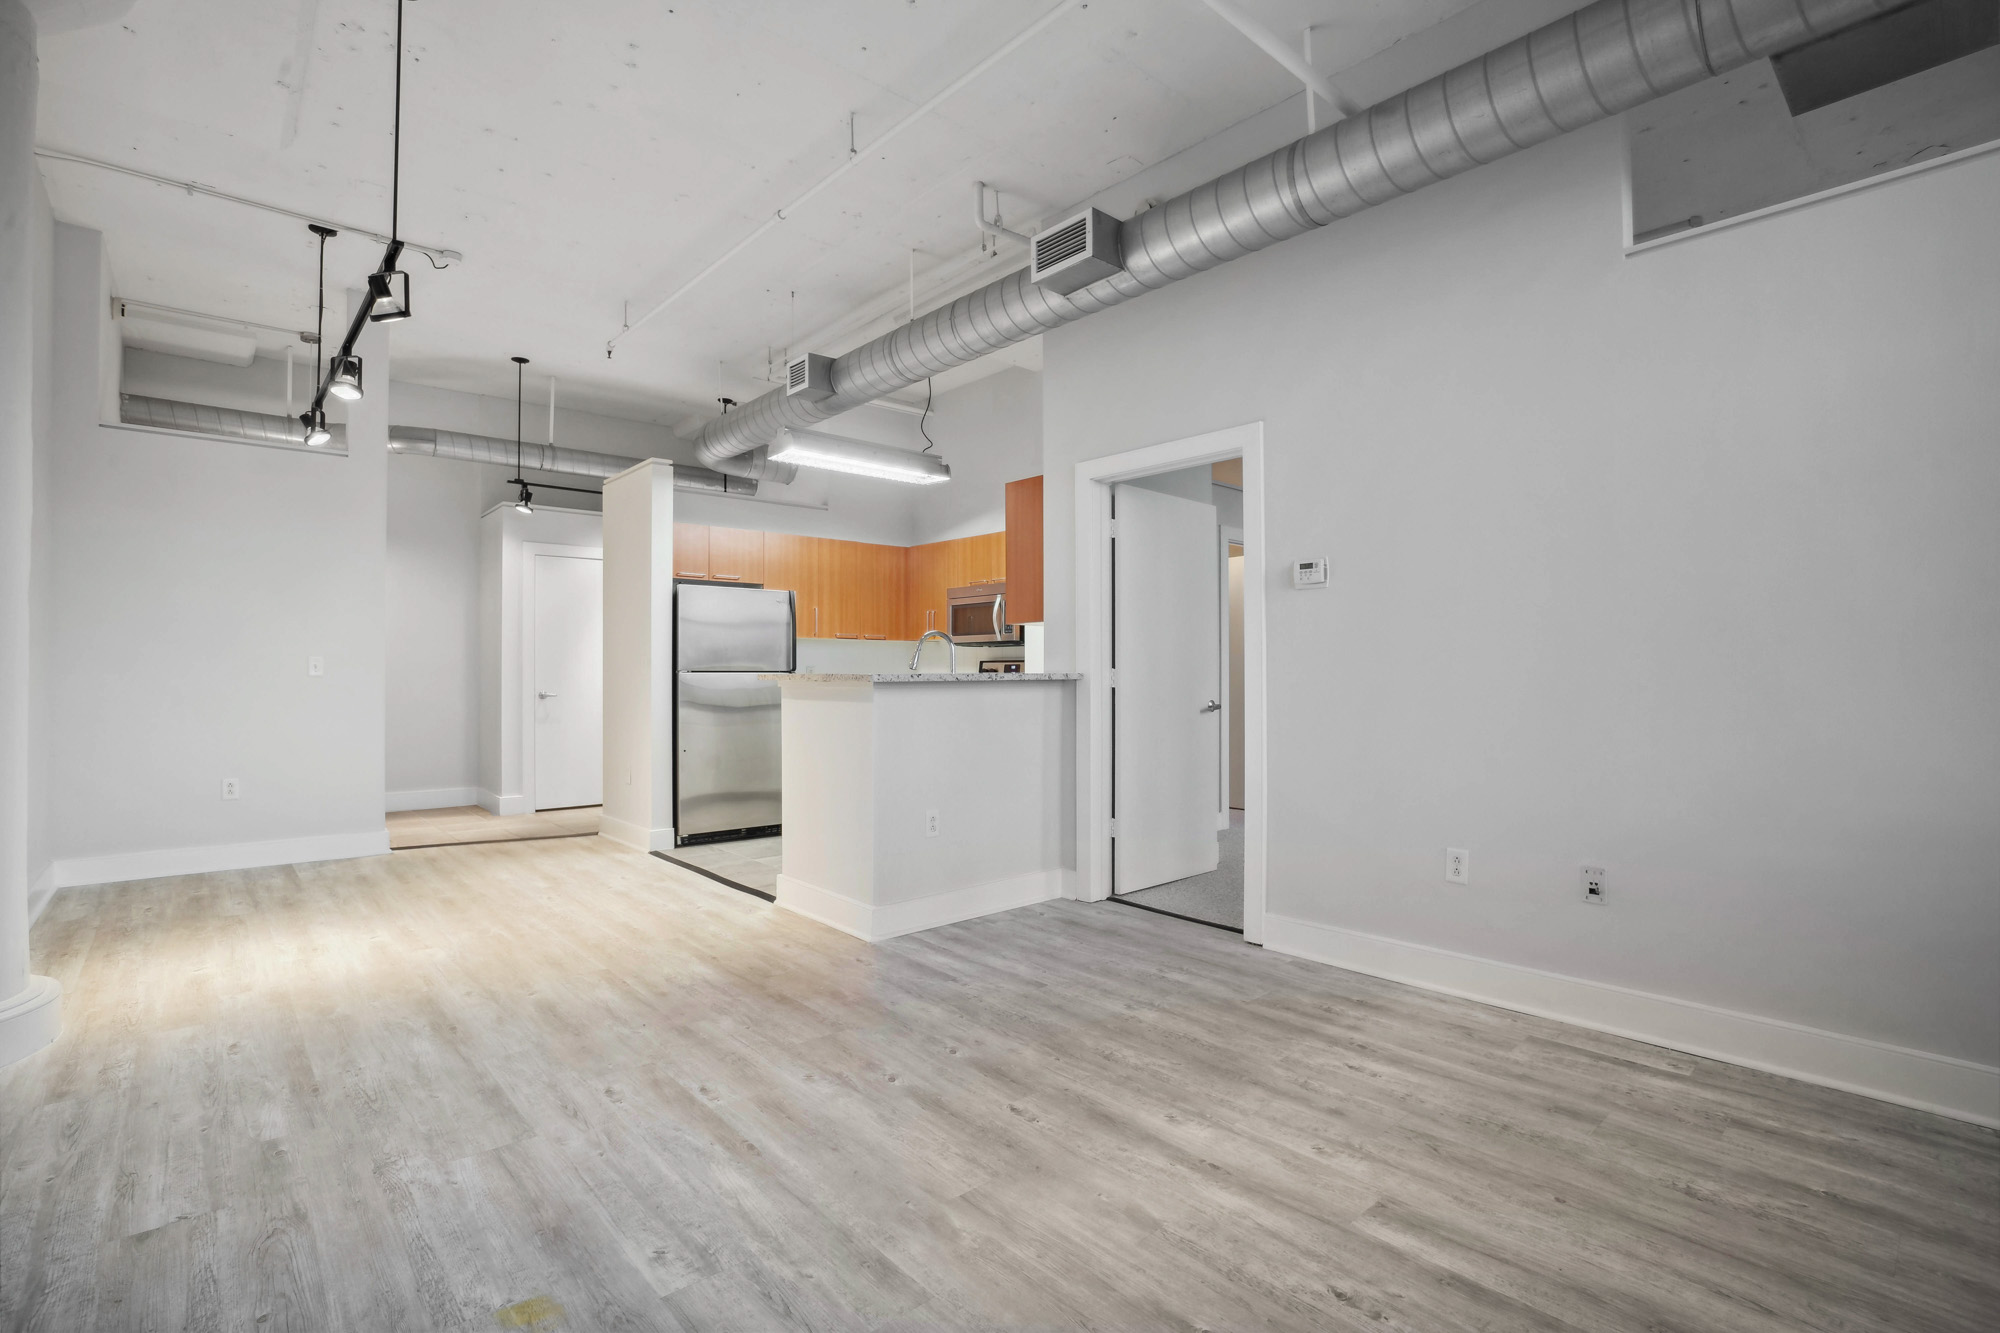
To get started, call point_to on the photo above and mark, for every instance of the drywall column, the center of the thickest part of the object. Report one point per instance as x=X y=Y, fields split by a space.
x=29 y=1005
x=639 y=657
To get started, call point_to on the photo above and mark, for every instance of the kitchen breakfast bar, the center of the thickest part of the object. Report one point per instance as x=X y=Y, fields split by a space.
x=913 y=801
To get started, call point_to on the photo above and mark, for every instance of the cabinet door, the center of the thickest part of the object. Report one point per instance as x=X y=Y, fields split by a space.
x=926 y=578
x=735 y=555
x=798 y=564
x=986 y=557
x=691 y=550
x=882 y=596
x=1024 y=550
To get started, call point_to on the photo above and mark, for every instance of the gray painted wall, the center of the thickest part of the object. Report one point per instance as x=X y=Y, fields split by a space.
x=1683 y=564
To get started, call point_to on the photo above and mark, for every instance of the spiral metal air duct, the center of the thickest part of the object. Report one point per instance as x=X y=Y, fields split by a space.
x=1603 y=59
x=264 y=428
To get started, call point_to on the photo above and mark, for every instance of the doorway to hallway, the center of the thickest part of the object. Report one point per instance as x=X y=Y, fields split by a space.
x=1170 y=624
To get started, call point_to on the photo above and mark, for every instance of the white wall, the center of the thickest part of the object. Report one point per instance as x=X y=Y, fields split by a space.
x=990 y=431
x=433 y=617
x=192 y=580
x=1683 y=564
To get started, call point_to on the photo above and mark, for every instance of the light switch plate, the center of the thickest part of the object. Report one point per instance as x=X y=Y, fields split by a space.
x=1309 y=573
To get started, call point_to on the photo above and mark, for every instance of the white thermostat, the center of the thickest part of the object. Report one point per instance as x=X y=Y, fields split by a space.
x=1309 y=573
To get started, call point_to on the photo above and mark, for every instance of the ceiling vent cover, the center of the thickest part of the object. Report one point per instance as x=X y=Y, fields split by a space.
x=809 y=377
x=1076 y=252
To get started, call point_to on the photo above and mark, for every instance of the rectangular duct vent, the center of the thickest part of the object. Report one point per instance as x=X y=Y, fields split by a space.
x=809 y=376
x=1076 y=252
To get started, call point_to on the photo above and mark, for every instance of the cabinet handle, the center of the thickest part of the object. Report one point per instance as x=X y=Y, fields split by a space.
x=874 y=636
x=689 y=574
x=727 y=578
x=838 y=635
x=815 y=622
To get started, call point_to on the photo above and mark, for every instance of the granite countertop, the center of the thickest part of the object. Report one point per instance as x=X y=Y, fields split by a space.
x=924 y=677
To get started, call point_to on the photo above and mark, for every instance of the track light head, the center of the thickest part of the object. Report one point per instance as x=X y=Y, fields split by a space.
x=391 y=291
x=316 y=431
x=523 y=503
x=344 y=379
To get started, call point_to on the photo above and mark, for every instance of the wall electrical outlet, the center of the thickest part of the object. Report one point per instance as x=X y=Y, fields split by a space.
x=230 y=789
x=930 y=824
x=1593 y=884
x=1457 y=865
x=315 y=666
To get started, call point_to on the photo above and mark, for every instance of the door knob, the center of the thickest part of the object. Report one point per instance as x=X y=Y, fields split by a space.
x=1213 y=707
x=545 y=694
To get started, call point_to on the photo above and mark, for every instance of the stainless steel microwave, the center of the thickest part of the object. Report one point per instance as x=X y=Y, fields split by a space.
x=978 y=614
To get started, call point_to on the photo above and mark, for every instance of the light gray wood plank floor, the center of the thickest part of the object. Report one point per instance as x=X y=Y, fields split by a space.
x=559 y=1085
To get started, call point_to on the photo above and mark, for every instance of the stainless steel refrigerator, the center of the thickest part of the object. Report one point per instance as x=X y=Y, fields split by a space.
x=726 y=719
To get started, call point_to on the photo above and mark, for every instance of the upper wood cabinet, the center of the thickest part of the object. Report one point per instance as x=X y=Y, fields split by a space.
x=842 y=589
x=935 y=568
x=866 y=597
x=1024 y=550
x=735 y=556
x=799 y=566
x=691 y=550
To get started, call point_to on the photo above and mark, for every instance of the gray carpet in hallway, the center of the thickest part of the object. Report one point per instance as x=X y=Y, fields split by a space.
x=1216 y=897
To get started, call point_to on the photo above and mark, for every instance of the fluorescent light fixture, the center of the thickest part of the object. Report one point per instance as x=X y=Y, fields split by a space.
x=831 y=453
x=317 y=433
x=392 y=296
x=522 y=503
x=344 y=381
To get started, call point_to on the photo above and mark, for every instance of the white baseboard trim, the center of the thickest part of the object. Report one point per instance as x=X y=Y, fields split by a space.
x=434 y=798
x=123 y=866
x=869 y=922
x=29 y=1021
x=1960 y=1089
x=636 y=836
x=39 y=892
x=495 y=804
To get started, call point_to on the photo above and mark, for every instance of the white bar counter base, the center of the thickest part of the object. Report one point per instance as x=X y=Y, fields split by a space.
x=868 y=758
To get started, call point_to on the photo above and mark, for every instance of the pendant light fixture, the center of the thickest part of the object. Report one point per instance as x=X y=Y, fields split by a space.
x=344 y=378
x=832 y=453
x=389 y=287
x=315 y=418
x=524 y=502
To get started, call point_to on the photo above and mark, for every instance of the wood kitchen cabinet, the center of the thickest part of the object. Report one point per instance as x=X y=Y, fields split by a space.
x=866 y=595
x=937 y=567
x=735 y=555
x=1024 y=550
x=690 y=550
x=800 y=566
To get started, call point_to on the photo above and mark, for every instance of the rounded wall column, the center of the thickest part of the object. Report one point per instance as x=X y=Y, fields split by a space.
x=29 y=1005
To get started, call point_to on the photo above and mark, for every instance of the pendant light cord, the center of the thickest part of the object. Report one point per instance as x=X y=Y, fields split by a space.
x=396 y=135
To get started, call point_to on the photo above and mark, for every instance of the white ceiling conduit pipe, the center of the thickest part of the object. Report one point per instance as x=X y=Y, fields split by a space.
x=1602 y=60
x=264 y=428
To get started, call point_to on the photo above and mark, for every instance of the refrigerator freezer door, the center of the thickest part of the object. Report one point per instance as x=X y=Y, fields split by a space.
x=727 y=725
x=732 y=629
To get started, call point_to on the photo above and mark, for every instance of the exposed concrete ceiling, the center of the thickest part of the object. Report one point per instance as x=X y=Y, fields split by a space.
x=589 y=156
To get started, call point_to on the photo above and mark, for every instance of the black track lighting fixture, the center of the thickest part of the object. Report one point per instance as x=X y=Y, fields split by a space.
x=343 y=377
x=314 y=418
x=388 y=294
x=523 y=502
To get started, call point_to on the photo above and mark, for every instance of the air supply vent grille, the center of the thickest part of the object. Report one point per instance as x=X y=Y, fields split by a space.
x=1076 y=252
x=1051 y=248
x=809 y=376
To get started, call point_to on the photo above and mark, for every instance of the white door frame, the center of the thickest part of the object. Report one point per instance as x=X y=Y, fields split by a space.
x=526 y=667
x=1094 y=479
x=1225 y=537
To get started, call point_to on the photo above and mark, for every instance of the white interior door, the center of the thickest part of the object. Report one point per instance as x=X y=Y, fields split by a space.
x=1167 y=737
x=569 y=681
